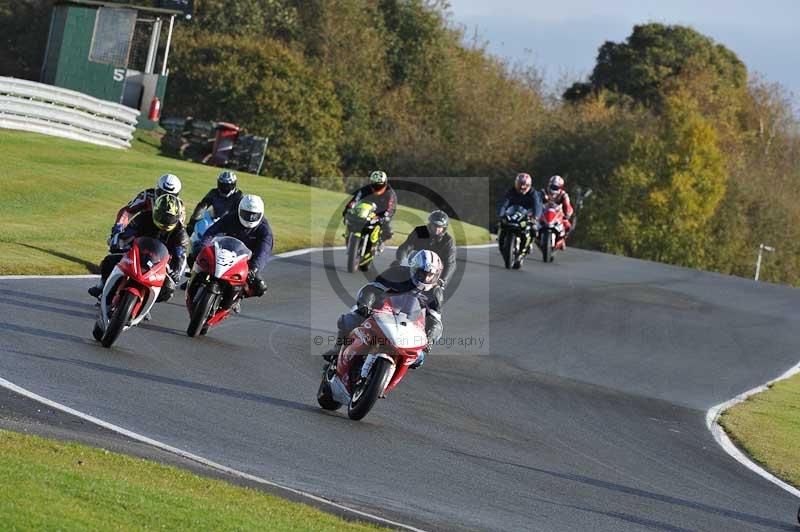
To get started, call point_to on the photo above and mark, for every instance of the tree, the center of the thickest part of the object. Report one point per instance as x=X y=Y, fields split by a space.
x=268 y=89
x=24 y=26
x=653 y=54
x=275 y=18
x=661 y=202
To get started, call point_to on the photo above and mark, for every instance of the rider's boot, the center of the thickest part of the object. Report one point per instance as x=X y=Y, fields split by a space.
x=333 y=353
x=97 y=290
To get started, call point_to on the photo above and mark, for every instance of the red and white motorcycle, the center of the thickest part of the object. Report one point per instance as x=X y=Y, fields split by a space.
x=219 y=279
x=550 y=231
x=376 y=356
x=131 y=289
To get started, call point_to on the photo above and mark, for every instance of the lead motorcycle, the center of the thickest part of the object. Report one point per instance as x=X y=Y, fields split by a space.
x=218 y=281
x=131 y=289
x=363 y=235
x=375 y=358
x=517 y=229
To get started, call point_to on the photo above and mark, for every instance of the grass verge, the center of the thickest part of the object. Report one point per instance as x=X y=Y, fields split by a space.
x=58 y=200
x=51 y=485
x=767 y=427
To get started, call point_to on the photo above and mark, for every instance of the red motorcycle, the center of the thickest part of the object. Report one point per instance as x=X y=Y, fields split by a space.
x=219 y=279
x=131 y=289
x=550 y=231
x=376 y=357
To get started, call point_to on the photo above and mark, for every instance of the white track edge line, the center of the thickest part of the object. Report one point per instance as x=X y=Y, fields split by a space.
x=196 y=458
x=729 y=447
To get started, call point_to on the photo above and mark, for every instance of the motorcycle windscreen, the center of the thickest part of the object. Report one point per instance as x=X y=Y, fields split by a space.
x=403 y=304
x=363 y=210
x=234 y=245
x=151 y=252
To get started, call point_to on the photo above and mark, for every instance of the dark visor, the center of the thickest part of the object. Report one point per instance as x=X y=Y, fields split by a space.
x=250 y=216
x=425 y=277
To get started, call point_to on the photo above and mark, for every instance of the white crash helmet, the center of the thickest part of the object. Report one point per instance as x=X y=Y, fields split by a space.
x=251 y=210
x=426 y=269
x=556 y=185
x=168 y=184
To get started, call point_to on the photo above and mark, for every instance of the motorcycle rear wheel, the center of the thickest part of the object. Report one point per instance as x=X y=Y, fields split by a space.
x=119 y=319
x=200 y=313
x=365 y=395
x=97 y=331
x=324 y=395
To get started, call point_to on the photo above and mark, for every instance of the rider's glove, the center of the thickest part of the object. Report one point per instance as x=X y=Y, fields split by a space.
x=419 y=361
x=117 y=229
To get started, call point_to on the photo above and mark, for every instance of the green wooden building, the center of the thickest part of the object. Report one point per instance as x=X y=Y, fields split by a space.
x=115 y=51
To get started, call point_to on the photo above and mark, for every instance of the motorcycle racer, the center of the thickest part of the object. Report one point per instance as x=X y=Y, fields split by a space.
x=523 y=194
x=248 y=224
x=223 y=198
x=421 y=277
x=555 y=193
x=383 y=196
x=163 y=224
x=434 y=237
x=143 y=202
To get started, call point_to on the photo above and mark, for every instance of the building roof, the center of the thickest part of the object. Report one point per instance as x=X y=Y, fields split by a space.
x=124 y=4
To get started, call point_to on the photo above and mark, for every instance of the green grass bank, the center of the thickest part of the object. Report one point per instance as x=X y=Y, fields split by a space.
x=50 y=485
x=59 y=198
x=767 y=427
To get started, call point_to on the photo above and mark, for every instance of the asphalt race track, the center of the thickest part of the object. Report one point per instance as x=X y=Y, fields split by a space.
x=584 y=408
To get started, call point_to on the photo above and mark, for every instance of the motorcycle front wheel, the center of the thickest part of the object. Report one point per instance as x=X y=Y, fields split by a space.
x=367 y=392
x=119 y=319
x=200 y=312
x=547 y=247
x=506 y=250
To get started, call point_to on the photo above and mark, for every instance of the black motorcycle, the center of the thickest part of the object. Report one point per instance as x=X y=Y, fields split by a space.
x=516 y=235
x=363 y=235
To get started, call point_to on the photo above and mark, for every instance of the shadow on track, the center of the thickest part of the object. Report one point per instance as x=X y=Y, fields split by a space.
x=627 y=490
x=47 y=299
x=647 y=523
x=42 y=333
x=45 y=308
x=208 y=388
